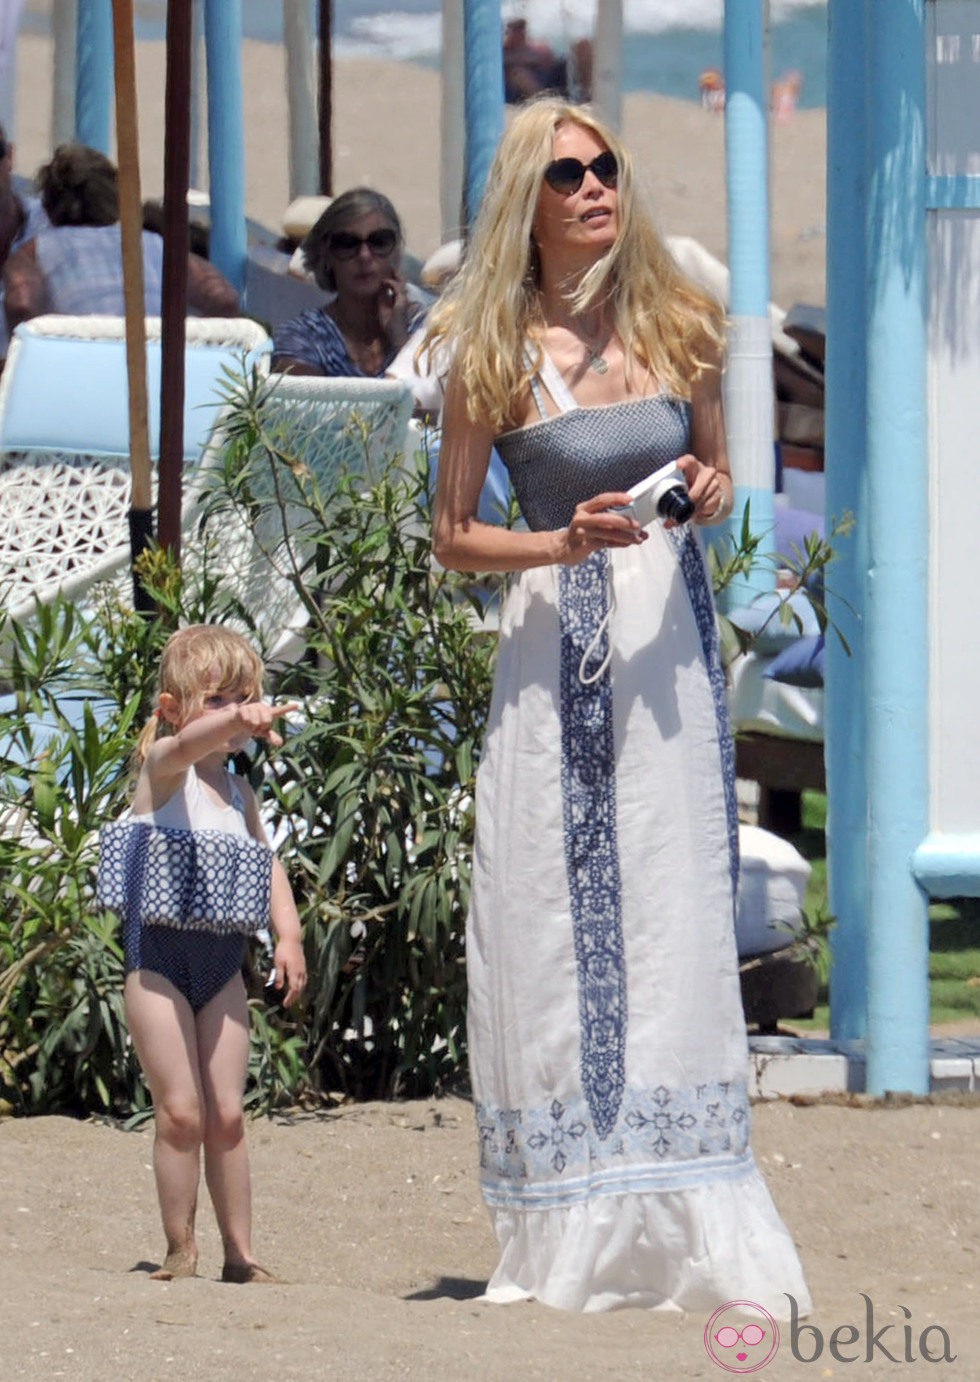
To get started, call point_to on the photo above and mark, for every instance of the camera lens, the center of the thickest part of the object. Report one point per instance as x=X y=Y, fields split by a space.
x=676 y=504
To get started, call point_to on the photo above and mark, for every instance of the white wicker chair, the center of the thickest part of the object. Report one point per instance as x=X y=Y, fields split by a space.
x=331 y=426
x=64 y=494
x=64 y=442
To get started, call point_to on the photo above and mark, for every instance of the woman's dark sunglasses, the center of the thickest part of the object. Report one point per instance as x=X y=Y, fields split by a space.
x=566 y=175
x=343 y=245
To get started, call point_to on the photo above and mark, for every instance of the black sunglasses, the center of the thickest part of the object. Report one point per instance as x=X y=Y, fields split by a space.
x=4 y=148
x=566 y=175
x=344 y=245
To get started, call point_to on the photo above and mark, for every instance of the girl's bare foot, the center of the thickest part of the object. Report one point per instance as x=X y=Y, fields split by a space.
x=177 y=1263
x=245 y=1273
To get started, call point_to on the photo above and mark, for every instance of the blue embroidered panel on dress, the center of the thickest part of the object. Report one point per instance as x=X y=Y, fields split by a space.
x=591 y=849
x=551 y=1155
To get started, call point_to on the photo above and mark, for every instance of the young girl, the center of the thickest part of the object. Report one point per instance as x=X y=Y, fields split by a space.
x=192 y=874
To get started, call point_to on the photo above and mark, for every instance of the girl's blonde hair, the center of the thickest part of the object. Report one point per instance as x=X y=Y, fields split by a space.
x=199 y=661
x=491 y=310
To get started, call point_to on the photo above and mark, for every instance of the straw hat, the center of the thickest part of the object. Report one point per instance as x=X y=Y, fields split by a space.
x=302 y=215
x=441 y=264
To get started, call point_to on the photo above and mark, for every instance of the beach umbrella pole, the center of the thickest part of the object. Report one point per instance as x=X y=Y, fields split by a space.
x=176 y=163
x=325 y=100
x=131 y=224
x=297 y=24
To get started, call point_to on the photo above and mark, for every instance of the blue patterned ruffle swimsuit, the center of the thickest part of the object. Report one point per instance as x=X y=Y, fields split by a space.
x=190 y=884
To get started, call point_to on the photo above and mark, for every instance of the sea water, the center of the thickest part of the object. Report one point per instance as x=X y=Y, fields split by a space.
x=668 y=43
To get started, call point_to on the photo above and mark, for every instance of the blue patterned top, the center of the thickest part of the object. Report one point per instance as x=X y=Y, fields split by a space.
x=193 y=880
x=556 y=464
x=316 y=339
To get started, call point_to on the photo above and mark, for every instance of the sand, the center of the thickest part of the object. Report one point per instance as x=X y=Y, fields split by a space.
x=386 y=134
x=373 y=1213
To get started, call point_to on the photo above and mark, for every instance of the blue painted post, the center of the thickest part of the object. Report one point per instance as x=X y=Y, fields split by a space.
x=226 y=143
x=93 y=74
x=749 y=402
x=483 y=39
x=896 y=639
x=846 y=492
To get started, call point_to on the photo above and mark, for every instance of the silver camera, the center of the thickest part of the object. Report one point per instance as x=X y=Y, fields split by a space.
x=661 y=495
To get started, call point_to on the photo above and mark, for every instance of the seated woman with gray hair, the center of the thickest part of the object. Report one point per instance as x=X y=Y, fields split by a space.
x=354 y=253
x=74 y=266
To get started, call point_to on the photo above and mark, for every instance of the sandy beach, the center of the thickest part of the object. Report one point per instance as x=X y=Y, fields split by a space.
x=386 y=134
x=373 y=1216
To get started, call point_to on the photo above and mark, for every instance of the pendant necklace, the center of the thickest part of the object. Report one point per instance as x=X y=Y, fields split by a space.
x=596 y=361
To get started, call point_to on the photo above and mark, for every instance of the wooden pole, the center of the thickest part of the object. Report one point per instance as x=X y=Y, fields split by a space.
x=176 y=162
x=325 y=102
x=131 y=224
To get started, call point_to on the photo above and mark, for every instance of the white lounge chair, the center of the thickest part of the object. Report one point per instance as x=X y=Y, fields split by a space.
x=64 y=442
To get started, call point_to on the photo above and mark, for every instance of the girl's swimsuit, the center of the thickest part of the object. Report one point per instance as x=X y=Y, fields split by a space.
x=190 y=883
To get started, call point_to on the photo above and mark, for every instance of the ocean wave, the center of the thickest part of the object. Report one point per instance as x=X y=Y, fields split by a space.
x=574 y=18
x=394 y=35
x=417 y=33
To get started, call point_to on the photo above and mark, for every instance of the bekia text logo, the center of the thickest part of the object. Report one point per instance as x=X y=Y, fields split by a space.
x=742 y=1337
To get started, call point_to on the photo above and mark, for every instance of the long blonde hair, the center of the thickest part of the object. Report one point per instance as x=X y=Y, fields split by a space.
x=199 y=661
x=491 y=310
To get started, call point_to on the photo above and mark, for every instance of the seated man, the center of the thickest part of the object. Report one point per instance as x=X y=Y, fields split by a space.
x=530 y=68
x=73 y=265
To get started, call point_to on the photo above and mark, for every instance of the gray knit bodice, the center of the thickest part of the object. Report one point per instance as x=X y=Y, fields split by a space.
x=558 y=462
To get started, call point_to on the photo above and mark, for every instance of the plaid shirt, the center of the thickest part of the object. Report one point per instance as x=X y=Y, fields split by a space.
x=82 y=268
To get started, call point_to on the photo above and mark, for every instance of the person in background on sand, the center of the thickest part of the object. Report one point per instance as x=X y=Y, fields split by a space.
x=607 y=1044
x=530 y=68
x=20 y=220
x=353 y=252
x=191 y=872
x=74 y=265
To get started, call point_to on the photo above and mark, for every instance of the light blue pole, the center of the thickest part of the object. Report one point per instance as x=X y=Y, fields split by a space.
x=483 y=39
x=226 y=144
x=896 y=639
x=94 y=74
x=848 y=90
x=749 y=403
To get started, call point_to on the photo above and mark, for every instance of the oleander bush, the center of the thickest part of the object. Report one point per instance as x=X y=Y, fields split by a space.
x=370 y=800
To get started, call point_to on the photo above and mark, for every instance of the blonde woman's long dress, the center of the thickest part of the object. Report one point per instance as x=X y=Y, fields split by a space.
x=606 y=1036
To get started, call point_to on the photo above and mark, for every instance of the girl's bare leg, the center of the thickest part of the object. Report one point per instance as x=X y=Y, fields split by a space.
x=222 y=1037
x=162 y=1027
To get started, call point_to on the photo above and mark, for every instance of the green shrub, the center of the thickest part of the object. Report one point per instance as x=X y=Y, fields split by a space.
x=372 y=796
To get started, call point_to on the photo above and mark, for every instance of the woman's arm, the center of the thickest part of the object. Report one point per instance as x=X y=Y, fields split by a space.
x=707 y=472
x=24 y=289
x=462 y=543
x=209 y=293
x=288 y=364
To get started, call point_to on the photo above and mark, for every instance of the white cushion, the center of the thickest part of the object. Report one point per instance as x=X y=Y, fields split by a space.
x=772 y=885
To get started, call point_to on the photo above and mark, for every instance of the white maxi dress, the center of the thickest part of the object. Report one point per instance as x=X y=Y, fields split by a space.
x=606 y=1036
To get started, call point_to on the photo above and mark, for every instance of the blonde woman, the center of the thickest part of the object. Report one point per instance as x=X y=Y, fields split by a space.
x=606 y=1038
